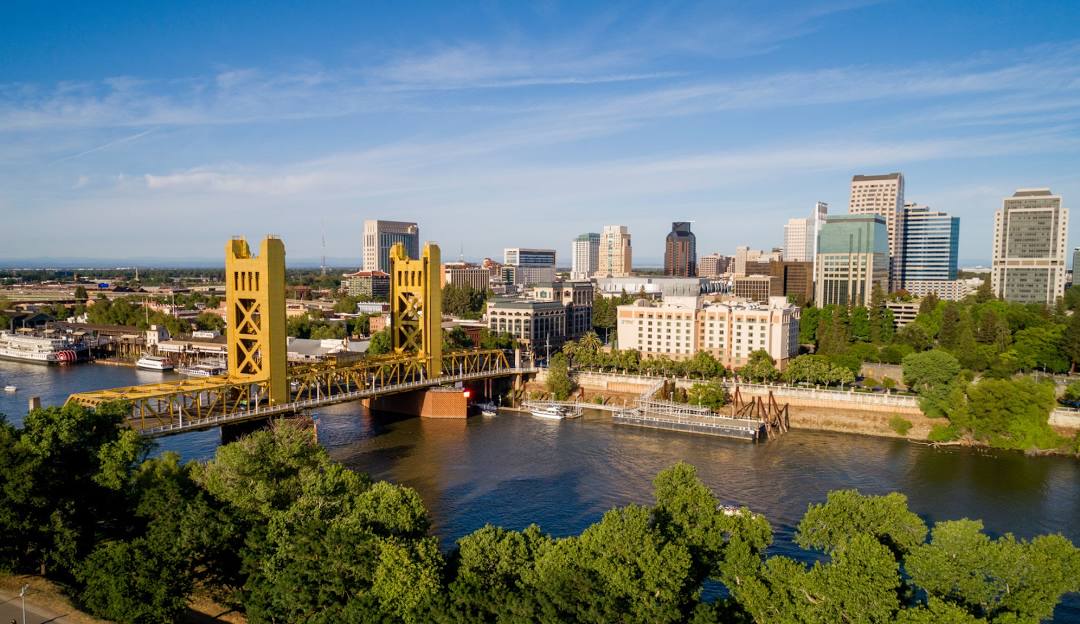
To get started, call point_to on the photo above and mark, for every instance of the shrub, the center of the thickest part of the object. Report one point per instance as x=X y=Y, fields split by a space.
x=888 y=383
x=869 y=382
x=900 y=424
x=943 y=433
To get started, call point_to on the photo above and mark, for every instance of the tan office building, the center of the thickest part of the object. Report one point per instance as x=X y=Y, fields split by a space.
x=882 y=195
x=1030 y=235
x=615 y=253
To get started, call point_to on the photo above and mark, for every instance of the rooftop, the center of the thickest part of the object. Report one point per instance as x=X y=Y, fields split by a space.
x=1033 y=192
x=873 y=178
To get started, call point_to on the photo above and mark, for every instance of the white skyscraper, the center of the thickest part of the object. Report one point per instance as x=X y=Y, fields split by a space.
x=585 y=256
x=380 y=236
x=800 y=235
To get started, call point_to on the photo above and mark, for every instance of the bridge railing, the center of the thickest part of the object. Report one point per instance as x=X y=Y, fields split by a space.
x=258 y=411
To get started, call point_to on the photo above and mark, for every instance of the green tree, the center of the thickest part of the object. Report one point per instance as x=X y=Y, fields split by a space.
x=210 y=322
x=80 y=294
x=760 y=367
x=860 y=324
x=381 y=343
x=712 y=395
x=931 y=374
x=1070 y=340
x=1041 y=348
x=559 y=383
x=1002 y=580
x=847 y=513
x=1011 y=413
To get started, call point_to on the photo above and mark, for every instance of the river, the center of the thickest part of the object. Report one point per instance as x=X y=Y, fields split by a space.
x=513 y=470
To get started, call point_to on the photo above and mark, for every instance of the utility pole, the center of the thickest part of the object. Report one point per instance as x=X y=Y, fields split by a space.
x=22 y=596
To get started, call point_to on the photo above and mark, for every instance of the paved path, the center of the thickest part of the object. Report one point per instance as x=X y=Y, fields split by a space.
x=11 y=609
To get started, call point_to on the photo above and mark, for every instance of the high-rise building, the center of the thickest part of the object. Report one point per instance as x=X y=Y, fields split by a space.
x=680 y=251
x=745 y=259
x=795 y=280
x=615 y=253
x=1030 y=233
x=466 y=275
x=585 y=256
x=1075 y=272
x=714 y=265
x=853 y=258
x=380 y=236
x=800 y=235
x=930 y=239
x=524 y=267
x=882 y=195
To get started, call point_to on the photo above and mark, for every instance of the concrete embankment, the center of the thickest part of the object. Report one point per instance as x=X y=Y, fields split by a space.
x=823 y=410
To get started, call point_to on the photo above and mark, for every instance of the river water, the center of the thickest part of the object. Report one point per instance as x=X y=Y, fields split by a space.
x=513 y=470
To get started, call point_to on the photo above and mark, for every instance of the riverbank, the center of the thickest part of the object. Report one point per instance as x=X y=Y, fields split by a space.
x=827 y=410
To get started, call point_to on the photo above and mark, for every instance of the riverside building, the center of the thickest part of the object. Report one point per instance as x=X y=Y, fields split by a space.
x=1030 y=233
x=729 y=330
x=929 y=240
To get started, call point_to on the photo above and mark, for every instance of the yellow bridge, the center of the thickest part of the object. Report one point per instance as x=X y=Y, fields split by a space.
x=259 y=384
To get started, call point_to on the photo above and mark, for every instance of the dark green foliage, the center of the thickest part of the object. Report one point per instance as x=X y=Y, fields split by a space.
x=273 y=527
x=464 y=302
x=1010 y=413
x=1002 y=580
x=931 y=374
x=381 y=343
x=559 y=383
x=135 y=582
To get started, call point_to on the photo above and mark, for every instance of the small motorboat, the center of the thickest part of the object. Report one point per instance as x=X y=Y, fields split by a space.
x=488 y=408
x=9 y=389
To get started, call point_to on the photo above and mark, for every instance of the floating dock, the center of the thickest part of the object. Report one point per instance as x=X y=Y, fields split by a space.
x=655 y=414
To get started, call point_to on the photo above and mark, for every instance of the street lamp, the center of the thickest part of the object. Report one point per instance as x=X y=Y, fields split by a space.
x=22 y=595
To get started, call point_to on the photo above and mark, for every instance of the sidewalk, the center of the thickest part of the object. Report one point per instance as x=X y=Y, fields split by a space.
x=11 y=609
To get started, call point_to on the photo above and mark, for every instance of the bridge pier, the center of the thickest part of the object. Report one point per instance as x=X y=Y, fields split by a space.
x=427 y=403
x=234 y=431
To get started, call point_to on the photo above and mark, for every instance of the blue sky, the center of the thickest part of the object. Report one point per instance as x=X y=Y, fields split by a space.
x=143 y=129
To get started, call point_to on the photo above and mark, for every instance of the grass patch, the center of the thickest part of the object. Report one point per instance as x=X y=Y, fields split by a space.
x=900 y=424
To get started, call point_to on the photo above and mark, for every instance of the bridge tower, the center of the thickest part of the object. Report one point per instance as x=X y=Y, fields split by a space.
x=416 y=307
x=255 y=300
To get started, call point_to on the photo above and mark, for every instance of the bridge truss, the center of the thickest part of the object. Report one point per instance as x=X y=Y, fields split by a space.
x=171 y=407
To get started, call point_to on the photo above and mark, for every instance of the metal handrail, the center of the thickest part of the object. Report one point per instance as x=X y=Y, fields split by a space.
x=257 y=412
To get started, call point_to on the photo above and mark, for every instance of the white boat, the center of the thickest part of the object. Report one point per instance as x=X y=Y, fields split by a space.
x=488 y=408
x=37 y=349
x=10 y=388
x=202 y=370
x=552 y=412
x=154 y=363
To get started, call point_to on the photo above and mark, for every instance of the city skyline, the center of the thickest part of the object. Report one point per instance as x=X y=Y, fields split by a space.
x=559 y=119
